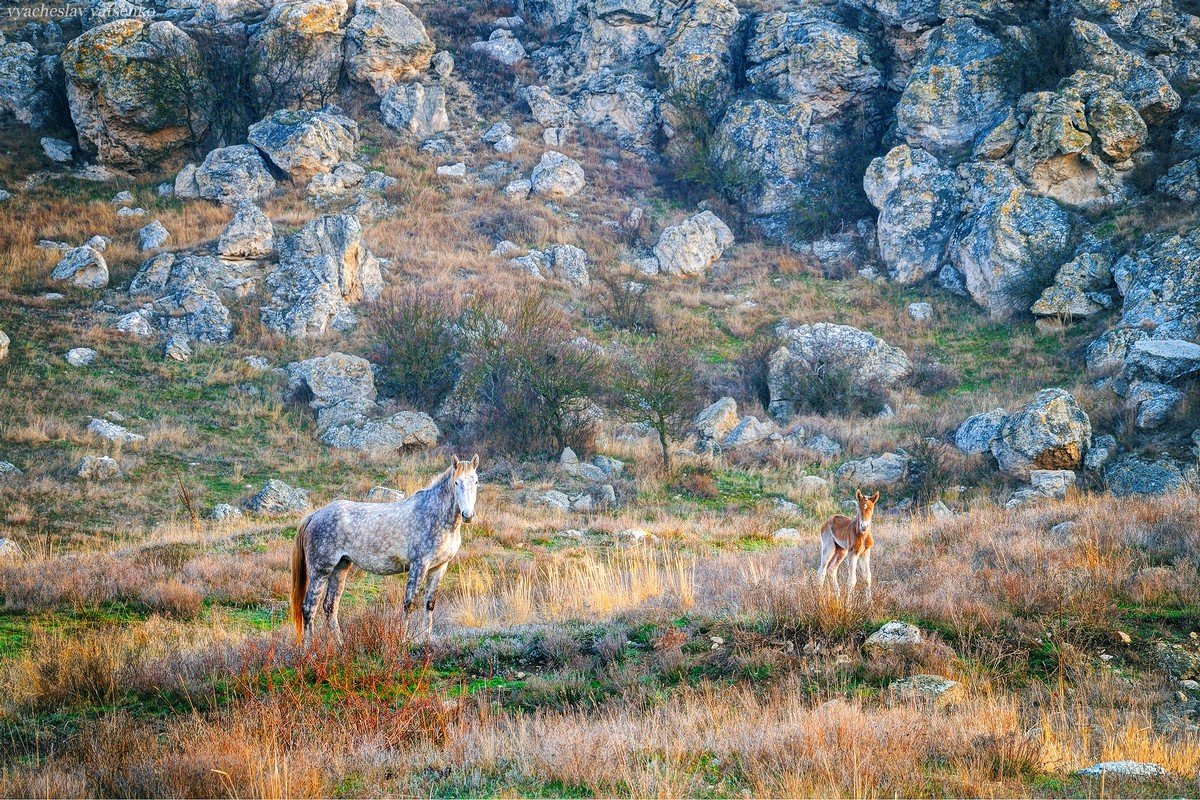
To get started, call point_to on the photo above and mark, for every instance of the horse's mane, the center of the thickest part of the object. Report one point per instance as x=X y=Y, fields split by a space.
x=437 y=482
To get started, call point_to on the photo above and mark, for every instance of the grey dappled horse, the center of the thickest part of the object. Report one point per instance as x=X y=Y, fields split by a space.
x=420 y=534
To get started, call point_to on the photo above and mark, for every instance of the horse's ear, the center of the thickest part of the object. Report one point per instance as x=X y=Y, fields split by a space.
x=858 y=494
x=875 y=498
x=475 y=461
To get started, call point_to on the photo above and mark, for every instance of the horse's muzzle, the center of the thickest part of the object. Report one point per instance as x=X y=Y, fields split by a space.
x=467 y=517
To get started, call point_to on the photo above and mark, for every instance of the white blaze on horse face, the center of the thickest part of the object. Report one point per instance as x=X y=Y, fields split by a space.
x=466 y=486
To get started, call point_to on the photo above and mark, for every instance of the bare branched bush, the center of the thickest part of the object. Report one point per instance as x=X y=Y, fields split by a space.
x=416 y=336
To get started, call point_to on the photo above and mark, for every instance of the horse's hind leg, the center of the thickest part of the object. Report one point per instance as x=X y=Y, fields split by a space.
x=317 y=579
x=827 y=549
x=431 y=588
x=416 y=577
x=333 y=596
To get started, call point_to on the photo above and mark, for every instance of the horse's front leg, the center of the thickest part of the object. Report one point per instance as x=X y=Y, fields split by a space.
x=417 y=570
x=431 y=588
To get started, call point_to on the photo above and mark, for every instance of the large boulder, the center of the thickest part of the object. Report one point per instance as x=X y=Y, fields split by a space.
x=229 y=176
x=715 y=422
x=402 y=431
x=557 y=176
x=196 y=311
x=882 y=470
x=132 y=89
x=693 y=245
x=277 y=499
x=248 y=235
x=304 y=143
x=298 y=52
x=1161 y=286
x=340 y=388
x=919 y=203
x=1010 y=242
x=957 y=91
x=385 y=43
x=1165 y=360
x=415 y=109
x=323 y=269
x=1079 y=289
x=811 y=350
x=1143 y=84
x=622 y=108
x=25 y=81
x=807 y=57
x=1135 y=475
x=976 y=433
x=1050 y=432
x=697 y=61
x=82 y=267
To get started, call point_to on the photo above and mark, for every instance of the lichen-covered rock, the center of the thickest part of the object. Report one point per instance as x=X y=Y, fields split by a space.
x=153 y=236
x=810 y=350
x=882 y=470
x=693 y=245
x=1182 y=182
x=1054 y=157
x=1010 y=242
x=1116 y=124
x=750 y=430
x=919 y=203
x=807 y=57
x=1143 y=84
x=196 y=311
x=1078 y=291
x=976 y=433
x=1134 y=475
x=83 y=267
x=932 y=690
x=340 y=388
x=406 y=430
x=958 y=90
x=25 y=81
x=127 y=90
x=248 y=235
x=548 y=110
x=385 y=43
x=384 y=494
x=224 y=512
x=299 y=53
x=622 y=108
x=1126 y=769
x=98 y=468
x=178 y=348
x=893 y=635
x=415 y=109
x=303 y=143
x=502 y=46
x=698 y=58
x=557 y=176
x=136 y=324
x=113 y=432
x=1050 y=432
x=4 y=343
x=80 y=356
x=232 y=175
x=1161 y=286
x=1165 y=360
x=716 y=421
x=1152 y=403
x=277 y=499
x=323 y=269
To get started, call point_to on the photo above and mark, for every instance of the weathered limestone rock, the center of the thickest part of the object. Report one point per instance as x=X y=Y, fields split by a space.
x=113 y=432
x=232 y=175
x=1182 y=182
x=1050 y=432
x=622 y=108
x=304 y=143
x=1152 y=403
x=277 y=499
x=415 y=109
x=80 y=356
x=223 y=512
x=957 y=91
x=697 y=61
x=919 y=203
x=975 y=435
x=24 y=84
x=1010 y=242
x=1144 y=85
x=177 y=347
x=340 y=388
x=299 y=48
x=408 y=429
x=870 y=362
x=1161 y=286
x=547 y=109
x=248 y=235
x=1078 y=291
x=196 y=311
x=385 y=44
x=502 y=46
x=933 y=690
x=693 y=245
x=83 y=267
x=153 y=236
x=124 y=87
x=884 y=470
x=1164 y=360
x=750 y=430
x=98 y=468
x=557 y=176
x=4 y=342
x=715 y=422
x=57 y=150
x=384 y=494
x=1134 y=475
x=893 y=635
x=1127 y=769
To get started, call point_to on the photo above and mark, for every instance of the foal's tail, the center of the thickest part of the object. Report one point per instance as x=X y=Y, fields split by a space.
x=299 y=580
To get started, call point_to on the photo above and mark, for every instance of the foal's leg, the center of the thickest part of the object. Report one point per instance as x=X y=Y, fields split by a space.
x=853 y=579
x=834 y=562
x=826 y=557
x=431 y=588
x=333 y=596
x=866 y=568
x=317 y=579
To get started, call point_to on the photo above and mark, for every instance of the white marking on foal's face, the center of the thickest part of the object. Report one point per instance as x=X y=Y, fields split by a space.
x=466 y=486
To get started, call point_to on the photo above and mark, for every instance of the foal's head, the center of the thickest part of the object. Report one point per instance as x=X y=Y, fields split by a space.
x=866 y=504
x=466 y=484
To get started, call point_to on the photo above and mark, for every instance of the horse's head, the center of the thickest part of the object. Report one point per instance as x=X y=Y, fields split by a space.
x=466 y=485
x=866 y=505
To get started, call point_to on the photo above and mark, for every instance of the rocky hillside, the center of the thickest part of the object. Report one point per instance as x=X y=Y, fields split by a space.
x=687 y=275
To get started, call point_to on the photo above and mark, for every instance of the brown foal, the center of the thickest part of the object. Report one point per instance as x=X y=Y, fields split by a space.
x=843 y=536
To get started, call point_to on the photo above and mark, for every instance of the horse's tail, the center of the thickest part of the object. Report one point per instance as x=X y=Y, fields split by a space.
x=299 y=579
